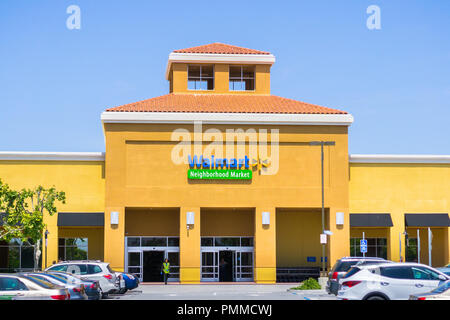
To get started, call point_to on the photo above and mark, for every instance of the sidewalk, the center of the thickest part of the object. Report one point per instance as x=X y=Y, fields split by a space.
x=231 y=291
x=313 y=294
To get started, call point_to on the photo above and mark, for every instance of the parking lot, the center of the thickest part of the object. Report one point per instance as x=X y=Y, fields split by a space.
x=222 y=292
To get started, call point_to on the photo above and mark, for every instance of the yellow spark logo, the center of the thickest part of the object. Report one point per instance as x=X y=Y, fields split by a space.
x=259 y=163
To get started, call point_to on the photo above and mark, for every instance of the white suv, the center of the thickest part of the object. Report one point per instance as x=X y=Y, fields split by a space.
x=91 y=270
x=389 y=281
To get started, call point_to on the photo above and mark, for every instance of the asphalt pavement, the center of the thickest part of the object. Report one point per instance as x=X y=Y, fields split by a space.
x=222 y=292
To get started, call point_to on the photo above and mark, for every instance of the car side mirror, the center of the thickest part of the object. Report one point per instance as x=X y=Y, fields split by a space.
x=442 y=277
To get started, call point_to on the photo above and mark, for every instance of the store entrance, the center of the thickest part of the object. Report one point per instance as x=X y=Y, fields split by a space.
x=226 y=266
x=152 y=262
x=227 y=259
x=144 y=257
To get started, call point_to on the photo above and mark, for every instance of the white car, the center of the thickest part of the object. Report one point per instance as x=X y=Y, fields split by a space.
x=91 y=270
x=15 y=287
x=390 y=281
x=440 y=293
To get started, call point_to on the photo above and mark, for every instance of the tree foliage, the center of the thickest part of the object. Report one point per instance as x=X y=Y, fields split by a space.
x=24 y=210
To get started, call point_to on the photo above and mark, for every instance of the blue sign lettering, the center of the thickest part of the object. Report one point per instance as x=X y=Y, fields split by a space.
x=211 y=163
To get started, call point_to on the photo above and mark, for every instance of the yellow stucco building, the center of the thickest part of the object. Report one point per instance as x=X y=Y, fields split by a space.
x=225 y=180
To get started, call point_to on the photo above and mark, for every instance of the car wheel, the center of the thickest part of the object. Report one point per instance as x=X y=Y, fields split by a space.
x=375 y=298
x=103 y=295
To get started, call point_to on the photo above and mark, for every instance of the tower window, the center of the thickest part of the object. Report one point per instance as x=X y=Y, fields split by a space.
x=242 y=78
x=200 y=77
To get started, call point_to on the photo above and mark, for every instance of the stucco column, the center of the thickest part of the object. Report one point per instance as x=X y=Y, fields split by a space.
x=265 y=247
x=339 y=241
x=190 y=260
x=114 y=250
x=447 y=246
x=52 y=247
x=52 y=240
x=398 y=221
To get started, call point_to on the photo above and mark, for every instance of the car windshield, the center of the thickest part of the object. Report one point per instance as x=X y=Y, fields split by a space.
x=42 y=283
x=442 y=288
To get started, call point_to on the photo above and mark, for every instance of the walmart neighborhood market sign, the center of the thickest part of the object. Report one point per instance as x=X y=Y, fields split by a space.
x=219 y=168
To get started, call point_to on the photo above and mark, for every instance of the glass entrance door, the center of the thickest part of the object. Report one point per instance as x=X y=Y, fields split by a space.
x=144 y=257
x=210 y=266
x=244 y=265
x=225 y=265
x=227 y=258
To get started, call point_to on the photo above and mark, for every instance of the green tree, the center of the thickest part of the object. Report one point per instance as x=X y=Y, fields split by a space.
x=24 y=214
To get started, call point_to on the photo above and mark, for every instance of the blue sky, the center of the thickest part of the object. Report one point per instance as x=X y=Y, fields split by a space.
x=55 y=82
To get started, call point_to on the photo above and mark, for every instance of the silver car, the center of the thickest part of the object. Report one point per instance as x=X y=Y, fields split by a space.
x=16 y=287
x=91 y=270
x=76 y=290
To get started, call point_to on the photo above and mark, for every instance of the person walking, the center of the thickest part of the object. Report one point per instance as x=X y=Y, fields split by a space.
x=165 y=270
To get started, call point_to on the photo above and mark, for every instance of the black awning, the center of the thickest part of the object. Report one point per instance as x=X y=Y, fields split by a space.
x=427 y=220
x=370 y=220
x=81 y=219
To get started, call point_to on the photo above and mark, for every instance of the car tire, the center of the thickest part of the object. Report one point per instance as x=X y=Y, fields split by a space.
x=103 y=295
x=375 y=298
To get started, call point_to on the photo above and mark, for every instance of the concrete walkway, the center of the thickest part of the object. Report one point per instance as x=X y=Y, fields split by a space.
x=222 y=292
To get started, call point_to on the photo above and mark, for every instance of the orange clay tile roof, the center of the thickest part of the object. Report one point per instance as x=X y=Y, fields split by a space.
x=226 y=103
x=220 y=48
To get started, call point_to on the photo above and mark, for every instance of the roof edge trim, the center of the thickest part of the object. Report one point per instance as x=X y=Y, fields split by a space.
x=227 y=118
x=218 y=58
x=398 y=158
x=53 y=156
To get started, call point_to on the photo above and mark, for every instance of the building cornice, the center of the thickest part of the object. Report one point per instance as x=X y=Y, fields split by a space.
x=52 y=156
x=218 y=58
x=100 y=156
x=227 y=118
x=398 y=158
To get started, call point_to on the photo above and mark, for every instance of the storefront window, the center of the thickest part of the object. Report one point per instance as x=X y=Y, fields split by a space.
x=73 y=248
x=133 y=242
x=27 y=257
x=207 y=242
x=411 y=250
x=227 y=242
x=154 y=242
x=173 y=242
x=16 y=256
x=134 y=259
x=376 y=247
x=247 y=242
